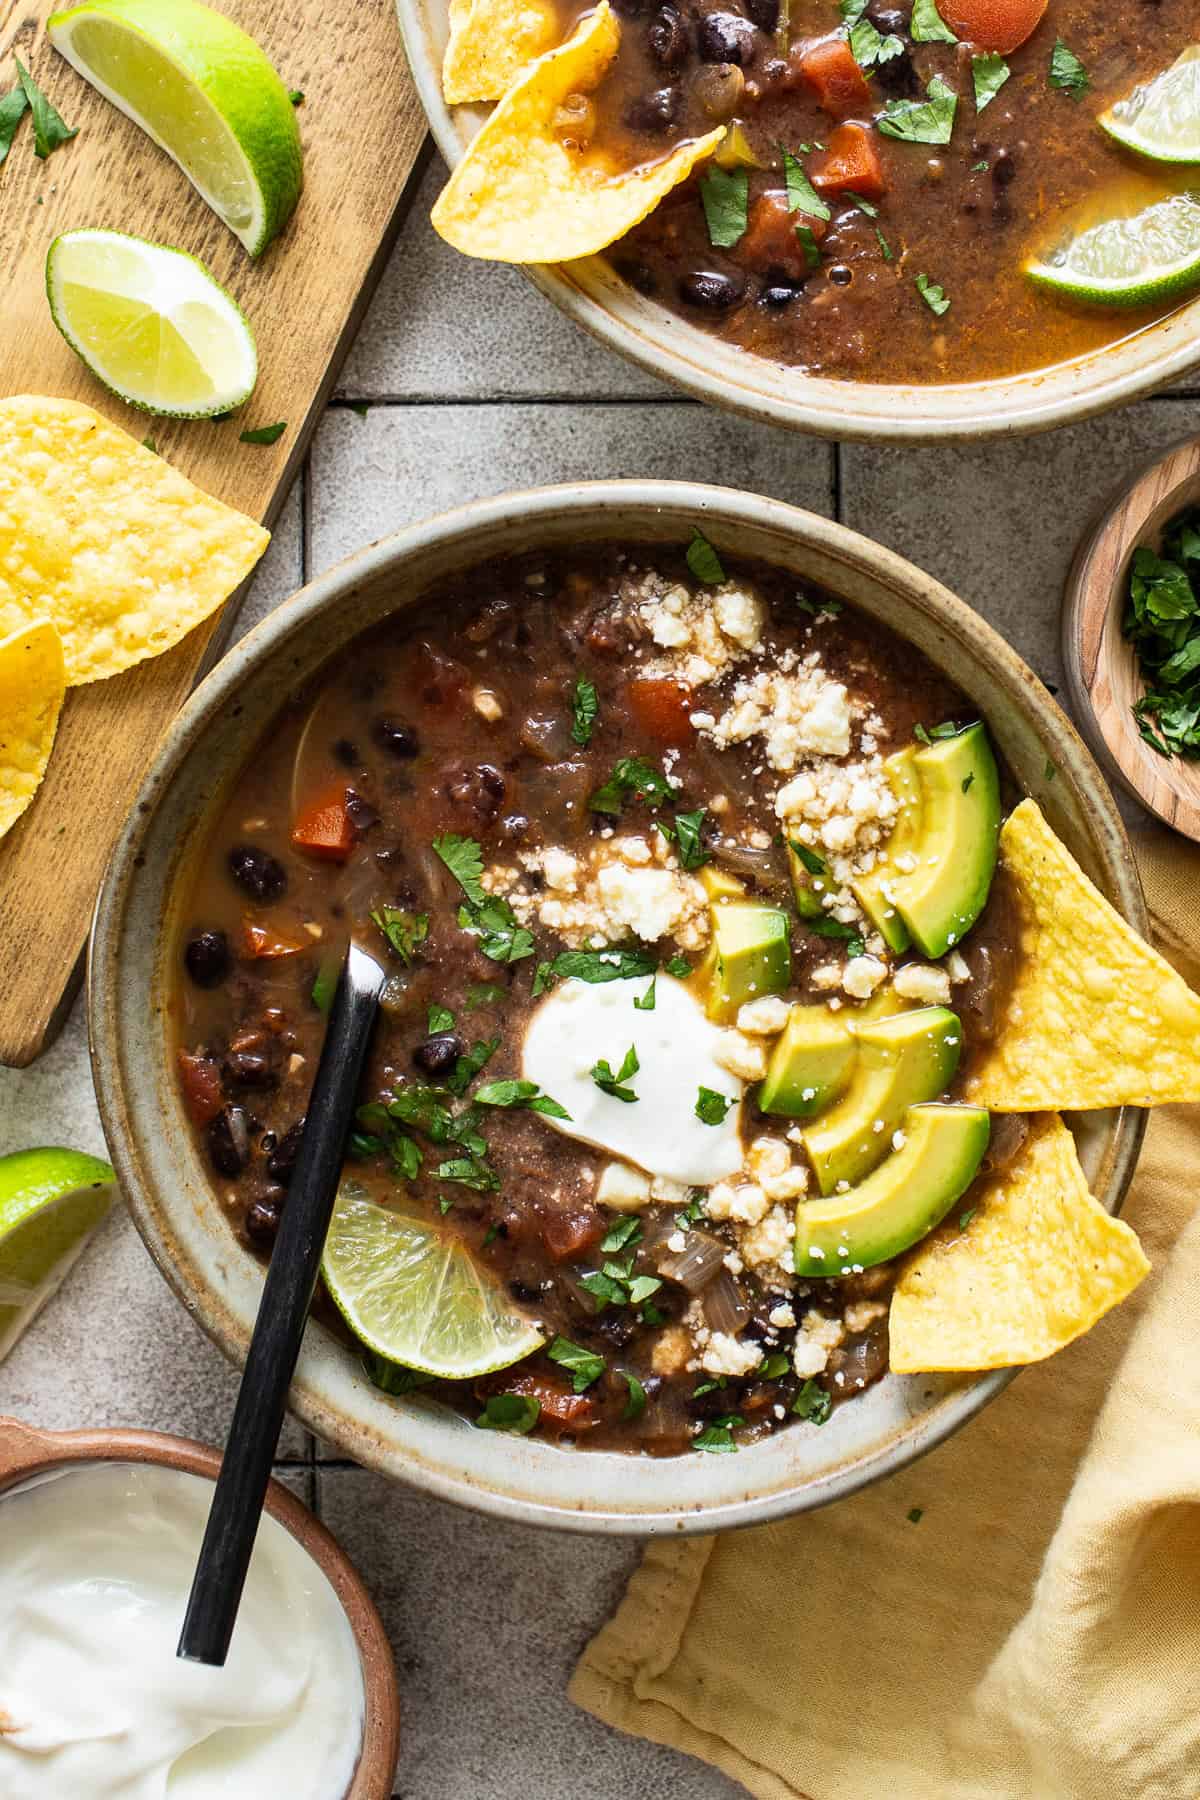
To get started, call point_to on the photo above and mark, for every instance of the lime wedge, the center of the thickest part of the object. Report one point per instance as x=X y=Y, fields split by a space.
x=1162 y=119
x=416 y=1296
x=151 y=324
x=1129 y=262
x=204 y=92
x=51 y=1201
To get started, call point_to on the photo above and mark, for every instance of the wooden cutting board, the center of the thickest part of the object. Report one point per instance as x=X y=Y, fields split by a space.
x=362 y=128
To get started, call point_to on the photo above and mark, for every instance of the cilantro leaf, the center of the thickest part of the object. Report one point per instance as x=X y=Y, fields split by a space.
x=646 y=1002
x=464 y=859
x=636 y=1403
x=679 y=967
x=1067 y=73
x=520 y=1093
x=296 y=96
x=263 y=434
x=718 y=1437
x=806 y=237
x=812 y=1403
x=439 y=1018
x=773 y=1367
x=614 y=964
x=1162 y=621
x=626 y=1232
x=711 y=1106
x=470 y=1171
x=686 y=834
x=608 y=1083
x=809 y=858
x=13 y=108
x=868 y=46
x=933 y=295
x=927 y=25
x=392 y=1377
x=509 y=1412
x=829 y=927
x=403 y=930
x=888 y=254
x=632 y=776
x=724 y=194
x=584 y=1366
x=864 y=206
x=989 y=74
x=50 y=130
x=467 y=1066
x=543 y=978
x=928 y=121
x=801 y=194
x=485 y=993
x=585 y=704
x=703 y=561
x=494 y=923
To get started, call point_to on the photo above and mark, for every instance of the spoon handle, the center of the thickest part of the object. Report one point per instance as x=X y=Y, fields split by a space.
x=282 y=1313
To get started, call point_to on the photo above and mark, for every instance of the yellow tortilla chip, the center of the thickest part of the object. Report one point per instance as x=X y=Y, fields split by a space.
x=1096 y=1017
x=32 y=685
x=106 y=540
x=490 y=42
x=1036 y=1265
x=520 y=196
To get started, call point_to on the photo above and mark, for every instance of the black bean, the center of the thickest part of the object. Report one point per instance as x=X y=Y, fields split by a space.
x=654 y=113
x=262 y=1219
x=780 y=292
x=840 y=275
x=888 y=20
x=282 y=1159
x=346 y=753
x=523 y=1293
x=712 y=290
x=395 y=738
x=478 y=789
x=439 y=1053
x=207 y=958
x=765 y=13
x=361 y=813
x=667 y=39
x=228 y=1140
x=898 y=77
x=1004 y=168
x=725 y=38
x=250 y=1068
x=514 y=828
x=636 y=274
x=261 y=874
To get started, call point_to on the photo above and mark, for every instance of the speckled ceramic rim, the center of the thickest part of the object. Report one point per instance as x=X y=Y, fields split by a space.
x=25 y=1452
x=667 y=346
x=159 y=1167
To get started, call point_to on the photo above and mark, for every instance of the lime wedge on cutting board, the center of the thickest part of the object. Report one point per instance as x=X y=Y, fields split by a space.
x=207 y=95
x=151 y=324
x=1129 y=262
x=1162 y=118
x=51 y=1201
x=416 y=1296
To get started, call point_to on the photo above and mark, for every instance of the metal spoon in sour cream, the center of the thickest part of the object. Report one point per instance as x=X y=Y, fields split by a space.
x=95 y=1566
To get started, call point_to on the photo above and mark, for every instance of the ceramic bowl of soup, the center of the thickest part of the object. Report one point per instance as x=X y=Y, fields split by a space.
x=902 y=309
x=101 y=1529
x=473 y=748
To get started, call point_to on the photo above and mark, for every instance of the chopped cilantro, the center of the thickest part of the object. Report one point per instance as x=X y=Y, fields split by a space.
x=933 y=295
x=703 y=561
x=812 y=1403
x=585 y=704
x=471 y=1172
x=1067 y=73
x=148 y=443
x=679 y=966
x=801 y=194
x=543 y=978
x=519 y=1093
x=1162 y=621
x=615 y=964
x=645 y=1002
x=772 y=1367
x=439 y=1018
x=806 y=238
x=485 y=993
x=509 y=1412
x=980 y=168
x=718 y=1437
x=927 y=25
x=584 y=1366
x=263 y=434
x=495 y=924
x=641 y=1288
x=403 y=930
x=467 y=1066
x=13 y=108
x=605 y=1288
x=964 y=1218
x=1050 y=771
x=686 y=834
x=869 y=47
x=864 y=206
x=724 y=194
x=444 y=1205
x=809 y=859
x=608 y=1083
x=928 y=121
x=464 y=859
x=631 y=776
x=915 y=1514
x=50 y=130
x=296 y=96
x=711 y=1106
x=889 y=255
x=360 y=408
x=829 y=927
x=392 y=1377
x=636 y=1403
x=989 y=73
x=693 y=1212
x=623 y=1235
x=707 y=1387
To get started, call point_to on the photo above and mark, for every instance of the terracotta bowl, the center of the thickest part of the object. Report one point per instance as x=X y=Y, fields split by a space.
x=167 y=1183
x=25 y=1452
x=668 y=347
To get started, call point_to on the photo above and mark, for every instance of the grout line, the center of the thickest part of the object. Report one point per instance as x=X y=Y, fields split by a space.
x=347 y=402
x=305 y=519
x=836 y=481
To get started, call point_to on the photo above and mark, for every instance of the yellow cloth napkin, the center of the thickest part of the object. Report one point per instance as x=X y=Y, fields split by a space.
x=1036 y=1634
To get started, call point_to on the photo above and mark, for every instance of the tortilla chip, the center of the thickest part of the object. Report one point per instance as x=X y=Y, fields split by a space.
x=490 y=43
x=1037 y=1264
x=106 y=540
x=32 y=685
x=1096 y=1017
x=520 y=196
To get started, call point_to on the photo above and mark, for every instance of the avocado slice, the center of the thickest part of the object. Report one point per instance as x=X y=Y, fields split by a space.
x=810 y=1065
x=750 y=955
x=903 y=1199
x=810 y=880
x=942 y=897
x=902 y=1061
x=875 y=892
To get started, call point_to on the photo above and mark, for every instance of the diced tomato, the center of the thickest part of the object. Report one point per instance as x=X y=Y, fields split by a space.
x=568 y=1234
x=200 y=1079
x=262 y=940
x=771 y=242
x=850 y=163
x=828 y=66
x=561 y=1410
x=1000 y=25
x=324 y=829
x=662 y=709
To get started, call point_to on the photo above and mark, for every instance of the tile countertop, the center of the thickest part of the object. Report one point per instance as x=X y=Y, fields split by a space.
x=475 y=384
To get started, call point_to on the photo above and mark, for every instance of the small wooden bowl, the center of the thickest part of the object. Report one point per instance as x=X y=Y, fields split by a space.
x=1103 y=678
x=25 y=1452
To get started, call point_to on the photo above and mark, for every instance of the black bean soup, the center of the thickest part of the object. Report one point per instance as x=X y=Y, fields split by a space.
x=561 y=713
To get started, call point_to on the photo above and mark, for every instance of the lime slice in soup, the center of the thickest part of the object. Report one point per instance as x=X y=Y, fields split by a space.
x=151 y=324
x=51 y=1201
x=206 y=94
x=1129 y=262
x=1162 y=119
x=415 y=1294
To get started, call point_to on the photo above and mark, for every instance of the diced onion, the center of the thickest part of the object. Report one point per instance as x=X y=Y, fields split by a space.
x=725 y=1305
x=696 y=1264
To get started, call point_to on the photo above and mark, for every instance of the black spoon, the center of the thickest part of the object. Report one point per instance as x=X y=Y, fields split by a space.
x=283 y=1310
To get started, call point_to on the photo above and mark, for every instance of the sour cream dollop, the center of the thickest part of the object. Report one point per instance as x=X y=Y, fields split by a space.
x=95 y=1568
x=580 y=1023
